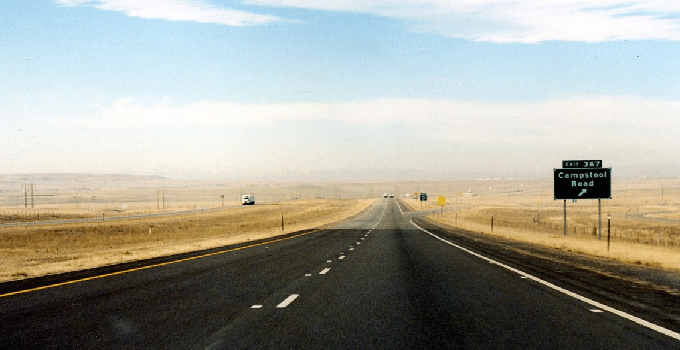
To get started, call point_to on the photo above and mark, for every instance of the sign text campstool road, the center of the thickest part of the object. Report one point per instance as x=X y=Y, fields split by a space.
x=579 y=183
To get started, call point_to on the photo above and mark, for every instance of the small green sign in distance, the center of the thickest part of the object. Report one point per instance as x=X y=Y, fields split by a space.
x=423 y=197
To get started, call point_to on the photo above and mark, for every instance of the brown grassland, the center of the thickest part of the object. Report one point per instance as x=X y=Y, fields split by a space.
x=645 y=217
x=644 y=227
x=217 y=218
x=29 y=251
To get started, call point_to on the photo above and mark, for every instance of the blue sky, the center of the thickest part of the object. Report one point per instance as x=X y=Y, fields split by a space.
x=298 y=89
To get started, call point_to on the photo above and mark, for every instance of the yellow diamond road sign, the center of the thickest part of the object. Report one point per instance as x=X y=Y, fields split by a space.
x=441 y=201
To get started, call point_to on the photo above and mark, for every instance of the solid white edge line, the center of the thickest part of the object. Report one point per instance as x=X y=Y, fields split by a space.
x=598 y=305
x=287 y=301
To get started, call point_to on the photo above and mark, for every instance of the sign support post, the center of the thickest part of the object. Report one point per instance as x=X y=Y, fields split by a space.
x=609 y=229
x=565 y=217
x=599 y=218
x=441 y=201
x=583 y=179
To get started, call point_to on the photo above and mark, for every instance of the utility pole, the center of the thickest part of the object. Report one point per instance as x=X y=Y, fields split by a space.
x=32 y=202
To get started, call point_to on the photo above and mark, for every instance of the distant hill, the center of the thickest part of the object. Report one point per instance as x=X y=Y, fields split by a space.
x=79 y=181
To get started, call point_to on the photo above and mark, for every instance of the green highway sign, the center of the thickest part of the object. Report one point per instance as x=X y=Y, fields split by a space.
x=582 y=164
x=583 y=183
x=423 y=197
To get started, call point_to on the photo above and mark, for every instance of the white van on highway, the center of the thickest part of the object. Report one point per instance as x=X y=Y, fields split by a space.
x=247 y=199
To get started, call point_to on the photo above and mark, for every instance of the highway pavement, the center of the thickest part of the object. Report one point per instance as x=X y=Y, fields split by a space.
x=381 y=281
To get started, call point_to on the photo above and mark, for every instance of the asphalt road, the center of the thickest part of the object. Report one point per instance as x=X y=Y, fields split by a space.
x=376 y=282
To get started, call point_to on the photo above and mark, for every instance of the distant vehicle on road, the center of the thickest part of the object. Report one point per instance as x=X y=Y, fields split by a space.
x=247 y=199
x=384 y=195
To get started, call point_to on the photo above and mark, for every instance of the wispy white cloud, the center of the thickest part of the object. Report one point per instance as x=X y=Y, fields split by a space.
x=526 y=21
x=177 y=10
x=614 y=120
x=500 y=21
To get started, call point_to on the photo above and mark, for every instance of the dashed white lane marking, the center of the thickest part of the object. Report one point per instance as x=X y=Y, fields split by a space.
x=596 y=310
x=341 y=257
x=287 y=301
x=329 y=260
x=324 y=271
x=594 y=303
x=256 y=307
x=351 y=248
x=308 y=275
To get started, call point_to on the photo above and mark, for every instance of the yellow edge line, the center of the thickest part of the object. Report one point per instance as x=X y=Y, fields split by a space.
x=148 y=267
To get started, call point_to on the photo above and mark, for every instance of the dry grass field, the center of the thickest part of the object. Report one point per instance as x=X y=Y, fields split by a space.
x=76 y=196
x=48 y=248
x=645 y=217
x=36 y=250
